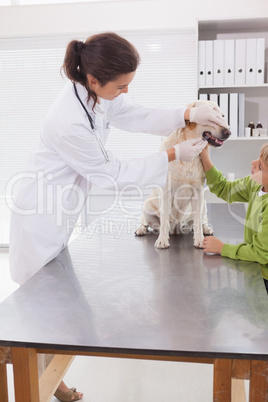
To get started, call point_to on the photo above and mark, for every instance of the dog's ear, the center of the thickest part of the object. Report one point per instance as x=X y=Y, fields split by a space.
x=190 y=125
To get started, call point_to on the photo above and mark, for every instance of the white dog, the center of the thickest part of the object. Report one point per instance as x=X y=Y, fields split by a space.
x=180 y=206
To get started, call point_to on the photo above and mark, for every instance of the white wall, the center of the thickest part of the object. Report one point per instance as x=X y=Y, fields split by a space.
x=122 y=15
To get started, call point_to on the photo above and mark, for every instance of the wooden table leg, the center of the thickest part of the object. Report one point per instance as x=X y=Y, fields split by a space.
x=25 y=374
x=222 y=383
x=3 y=383
x=238 y=391
x=258 y=387
x=53 y=375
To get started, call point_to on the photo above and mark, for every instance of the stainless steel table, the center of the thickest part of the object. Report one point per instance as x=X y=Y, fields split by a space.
x=132 y=300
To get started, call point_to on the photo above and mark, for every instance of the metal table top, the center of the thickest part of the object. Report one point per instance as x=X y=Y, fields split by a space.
x=114 y=292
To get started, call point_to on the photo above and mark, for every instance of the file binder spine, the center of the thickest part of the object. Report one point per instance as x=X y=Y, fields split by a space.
x=203 y=97
x=214 y=98
x=209 y=63
x=229 y=62
x=218 y=62
x=202 y=63
x=233 y=113
x=260 y=61
x=224 y=105
x=241 y=115
x=240 y=61
x=251 y=61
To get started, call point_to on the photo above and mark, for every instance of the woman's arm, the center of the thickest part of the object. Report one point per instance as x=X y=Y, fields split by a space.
x=171 y=154
x=127 y=114
x=187 y=115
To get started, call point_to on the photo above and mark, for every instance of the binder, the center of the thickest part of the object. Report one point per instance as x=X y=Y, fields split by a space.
x=214 y=98
x=251 y=62
x=202 y=63
x=260 y=61
x=240 y=61
x=209 y=63
x=229 y=62
x=224 y=105
x=233 y=114
x=218 y=62
x=241 y=115
x=203 y=97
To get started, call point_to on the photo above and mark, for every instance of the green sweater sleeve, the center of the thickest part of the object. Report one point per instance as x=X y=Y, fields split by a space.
x=236 y=191
x=255 y=247
x=256 y=251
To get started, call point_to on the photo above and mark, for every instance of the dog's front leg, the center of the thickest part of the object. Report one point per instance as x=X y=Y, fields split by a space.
x=207 y=229
x=164 y=209
x=197 y=203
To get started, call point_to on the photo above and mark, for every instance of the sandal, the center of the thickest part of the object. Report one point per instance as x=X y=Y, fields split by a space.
x=67 y=396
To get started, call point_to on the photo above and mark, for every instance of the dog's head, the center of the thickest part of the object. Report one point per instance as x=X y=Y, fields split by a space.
x=214 y=136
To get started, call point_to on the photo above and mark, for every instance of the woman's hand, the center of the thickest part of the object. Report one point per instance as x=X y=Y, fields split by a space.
x=208 y=115
x=186 y=150
x=212 y=244
x=189 y=149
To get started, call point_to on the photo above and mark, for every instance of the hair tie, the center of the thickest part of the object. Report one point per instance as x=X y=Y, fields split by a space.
x=79 y=47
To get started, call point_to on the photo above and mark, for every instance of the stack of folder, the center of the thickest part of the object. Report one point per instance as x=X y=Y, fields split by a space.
x=231 y=62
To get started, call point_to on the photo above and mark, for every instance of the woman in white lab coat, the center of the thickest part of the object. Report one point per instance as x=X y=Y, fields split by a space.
x=69 y=157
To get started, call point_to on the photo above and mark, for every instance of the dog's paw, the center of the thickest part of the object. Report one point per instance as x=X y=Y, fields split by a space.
x=198 y=241
x=162 y=242
x=141 y=230
x=207 y=230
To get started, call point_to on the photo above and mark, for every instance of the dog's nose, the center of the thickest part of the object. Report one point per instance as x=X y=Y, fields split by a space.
x=226 y=133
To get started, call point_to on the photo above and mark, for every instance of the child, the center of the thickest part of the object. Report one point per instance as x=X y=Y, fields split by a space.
x=254 y=190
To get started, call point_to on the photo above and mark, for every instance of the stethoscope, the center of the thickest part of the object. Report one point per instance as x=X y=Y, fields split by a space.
x=97 y=136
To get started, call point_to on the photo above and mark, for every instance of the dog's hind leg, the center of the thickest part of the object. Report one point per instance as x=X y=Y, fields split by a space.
x=149 y=216
x=142 y=229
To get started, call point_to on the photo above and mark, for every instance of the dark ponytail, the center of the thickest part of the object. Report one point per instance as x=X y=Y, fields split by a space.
x=104 y=56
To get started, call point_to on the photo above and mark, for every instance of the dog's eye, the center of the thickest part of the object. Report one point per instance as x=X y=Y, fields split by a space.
x=223 y=115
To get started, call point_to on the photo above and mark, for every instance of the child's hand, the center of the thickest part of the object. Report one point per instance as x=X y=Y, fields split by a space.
x=205 y=159
x=212 y=245
x=205 y=152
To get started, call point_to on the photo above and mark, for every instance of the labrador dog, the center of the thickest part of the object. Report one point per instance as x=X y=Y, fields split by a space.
x=180 y=206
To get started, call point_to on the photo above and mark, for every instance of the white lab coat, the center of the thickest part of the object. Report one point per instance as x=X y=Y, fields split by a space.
x=64 y=164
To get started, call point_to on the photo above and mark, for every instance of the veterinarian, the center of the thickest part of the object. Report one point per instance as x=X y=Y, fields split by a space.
x=254 y=190
x=69 y=156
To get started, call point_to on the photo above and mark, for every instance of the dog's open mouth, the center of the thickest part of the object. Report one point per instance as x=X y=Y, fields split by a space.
x=215 y=142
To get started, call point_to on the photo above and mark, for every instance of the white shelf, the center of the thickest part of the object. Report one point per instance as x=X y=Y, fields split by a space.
x=234 y=25
x=238 y=152
x=248 y=138
x=237 y=86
